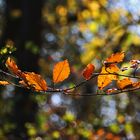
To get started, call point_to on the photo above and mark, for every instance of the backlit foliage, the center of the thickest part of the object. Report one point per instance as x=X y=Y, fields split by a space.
x=86 y=33
x=61 y=71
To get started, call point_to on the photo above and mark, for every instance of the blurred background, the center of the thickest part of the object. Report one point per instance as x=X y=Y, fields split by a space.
x=82 y=31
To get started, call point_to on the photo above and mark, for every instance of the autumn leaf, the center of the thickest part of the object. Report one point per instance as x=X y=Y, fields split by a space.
x=33 y=81
x=115 y=58
x=136 y=85
x=61 y=71
x=4 y=83
x=87 y=72
x=105 y=77
x=11 y=65
x=113 y=68
x=124 y=83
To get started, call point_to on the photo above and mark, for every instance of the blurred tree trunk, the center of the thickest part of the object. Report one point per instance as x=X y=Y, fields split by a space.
x=23 y=25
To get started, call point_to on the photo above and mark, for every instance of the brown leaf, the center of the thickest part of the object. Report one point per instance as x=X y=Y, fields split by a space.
x=33 y=81
x=87 y=72
x=124 y=83
x=61 y=71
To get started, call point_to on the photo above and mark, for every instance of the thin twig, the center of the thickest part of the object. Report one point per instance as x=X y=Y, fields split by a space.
x=8 y=74
x=102 y=94
x=69 y=91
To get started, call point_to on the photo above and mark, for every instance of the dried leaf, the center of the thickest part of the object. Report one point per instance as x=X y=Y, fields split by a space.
x=87 y=72
x=61 y=71
x=11 y=65
x=4 y=83
x=33 y=81
x=124 y=83
x=115 y=58
x=106 y=77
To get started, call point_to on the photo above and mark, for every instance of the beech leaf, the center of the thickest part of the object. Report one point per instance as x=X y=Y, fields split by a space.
x=61 y=71
x=106 y=77
x=87 y=72
x=124 y=83
x=11 y=65
x=33 y=81
x=136 y=85
x=115 y=58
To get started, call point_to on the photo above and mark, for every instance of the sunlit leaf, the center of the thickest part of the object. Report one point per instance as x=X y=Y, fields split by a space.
x=105 y=77
x=115 y=58
x=4 y=83
x=87 y=72
x=11 y=65
x=136 y=85
x=124 y=83
x=34 y=81
x=61 y=71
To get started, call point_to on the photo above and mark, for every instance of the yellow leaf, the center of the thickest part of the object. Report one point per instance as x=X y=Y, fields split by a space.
x=61 y=71
x=106 y=77
x=4 y=83
x=124 y=83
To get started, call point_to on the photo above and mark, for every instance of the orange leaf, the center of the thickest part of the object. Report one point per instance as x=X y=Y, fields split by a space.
x=11 y=65
x=124 y=83
x=106 y=78
x=115 y=58
x=61 y=71
x=87 y=72
x=136 y=84
x=34 y=81
x=4 y=83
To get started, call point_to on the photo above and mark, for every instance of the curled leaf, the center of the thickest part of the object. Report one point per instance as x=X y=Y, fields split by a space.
x=61 y=71
x=87 y=72
x=33 y=81
x=4 y=83
x=11 y=65
x=124 y=83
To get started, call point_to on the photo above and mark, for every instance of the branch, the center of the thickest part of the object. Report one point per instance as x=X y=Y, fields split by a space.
x=70 y=91
x=8 y=74
x=102 y=94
